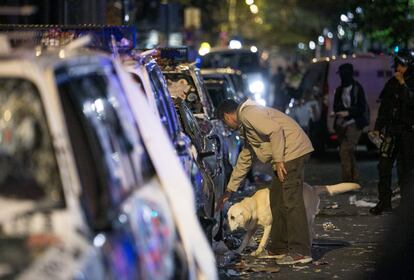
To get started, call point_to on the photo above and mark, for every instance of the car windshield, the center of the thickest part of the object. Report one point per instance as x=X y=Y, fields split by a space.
x=182 y=86
x=244 y=61
x=28 y=167
x=164 y=103
x=217 y=90
x=313 y=80
x=107 y=147
x=191 y=127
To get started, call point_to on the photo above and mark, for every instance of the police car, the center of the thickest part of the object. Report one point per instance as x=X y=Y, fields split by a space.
x=84 y=191
x=147 y=74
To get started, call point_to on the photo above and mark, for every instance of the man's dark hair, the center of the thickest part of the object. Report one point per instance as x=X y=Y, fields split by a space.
x=226 y=106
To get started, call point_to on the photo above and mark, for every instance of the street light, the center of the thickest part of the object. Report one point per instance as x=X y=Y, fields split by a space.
x=204 y=48
x=312 y=45
x=341 y=31
x=253 y=49
x=249 y=2
x=254 y=9
x=258 y=20
x=235 y=44
x=344 y=18
x=321 y=40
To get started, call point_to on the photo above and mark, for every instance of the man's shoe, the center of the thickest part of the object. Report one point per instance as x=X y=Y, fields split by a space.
x=293 y=258
x=379 y=208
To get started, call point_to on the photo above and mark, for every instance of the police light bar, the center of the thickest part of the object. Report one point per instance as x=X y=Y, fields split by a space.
x=169 y=57
x=178 y=55
x=61 y=35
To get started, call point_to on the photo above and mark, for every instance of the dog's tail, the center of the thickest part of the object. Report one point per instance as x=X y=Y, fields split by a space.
x=337 y=189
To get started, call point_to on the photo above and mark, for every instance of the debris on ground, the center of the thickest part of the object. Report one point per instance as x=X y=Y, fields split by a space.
x=299 y=267
x=318 y=263
x=227 y=259
x=328 y=226
x=396 y=197
x=232 y=272
x=232 y=242
x=220 y=247
x=253 y=265
x=360 y=202
x=334 y=205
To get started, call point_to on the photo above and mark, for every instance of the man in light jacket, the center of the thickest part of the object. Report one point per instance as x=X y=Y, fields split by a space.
x=273 y=137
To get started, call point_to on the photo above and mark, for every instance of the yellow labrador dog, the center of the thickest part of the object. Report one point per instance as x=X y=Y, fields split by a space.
x=253 y=211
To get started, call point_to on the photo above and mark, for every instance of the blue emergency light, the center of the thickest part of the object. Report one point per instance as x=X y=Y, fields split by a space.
x=60 y=35
x=178 y=55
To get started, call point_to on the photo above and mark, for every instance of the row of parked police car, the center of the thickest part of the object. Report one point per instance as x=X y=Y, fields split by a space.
x=111 y=164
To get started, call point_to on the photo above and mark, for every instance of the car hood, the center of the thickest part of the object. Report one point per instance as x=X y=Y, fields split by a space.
x=17 y=254
x=14 y=207
x=18 y=250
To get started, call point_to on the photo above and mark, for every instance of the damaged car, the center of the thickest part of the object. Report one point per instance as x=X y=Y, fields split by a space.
x=85 y=194
x=147 y=74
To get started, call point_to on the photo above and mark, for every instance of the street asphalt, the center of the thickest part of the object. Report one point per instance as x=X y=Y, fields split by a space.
x=349 y=245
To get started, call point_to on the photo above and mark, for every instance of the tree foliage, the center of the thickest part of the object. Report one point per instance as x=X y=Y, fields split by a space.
x=287 y=22
x=387 y=21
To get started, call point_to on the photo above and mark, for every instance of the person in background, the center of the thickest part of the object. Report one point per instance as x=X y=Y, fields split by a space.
x=350 y=108
x=397 y=257
x=280 y=96
x=389 y=127
x=406 y=80
x=273 y=137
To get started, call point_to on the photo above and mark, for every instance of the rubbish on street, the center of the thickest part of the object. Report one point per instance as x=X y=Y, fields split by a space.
x=396 y=197
x=328 y=226
x=232 y=272
x=320 y=263
x=228 y=258
x=334 y=205
x=241 y=267
x=360 y=202
x=220 y=247
x=298 y=267
x=232 y=242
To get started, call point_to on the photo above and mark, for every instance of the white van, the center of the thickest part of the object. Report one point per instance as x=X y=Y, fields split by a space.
x=318 y=85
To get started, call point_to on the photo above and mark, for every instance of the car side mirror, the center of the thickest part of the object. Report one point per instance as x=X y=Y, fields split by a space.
x=205 y=154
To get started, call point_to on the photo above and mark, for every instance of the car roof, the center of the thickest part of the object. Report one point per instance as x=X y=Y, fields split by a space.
x=228 y=50
x=212 y=71
x=353 y=57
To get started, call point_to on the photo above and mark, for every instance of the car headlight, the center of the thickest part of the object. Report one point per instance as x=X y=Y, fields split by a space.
x=259 y=99
x=257 y=87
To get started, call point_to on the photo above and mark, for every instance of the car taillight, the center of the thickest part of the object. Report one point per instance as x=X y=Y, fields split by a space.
x=333 y=137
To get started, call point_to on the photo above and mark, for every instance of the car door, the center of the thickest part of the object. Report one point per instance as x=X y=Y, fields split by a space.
x=40 y=235
x=166 y=109
x=114 y=167
x=192 y=128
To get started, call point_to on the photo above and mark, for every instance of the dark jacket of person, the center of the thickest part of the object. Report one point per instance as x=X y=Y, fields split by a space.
x=358 y=106
x=408 y=101
x=389 y=118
